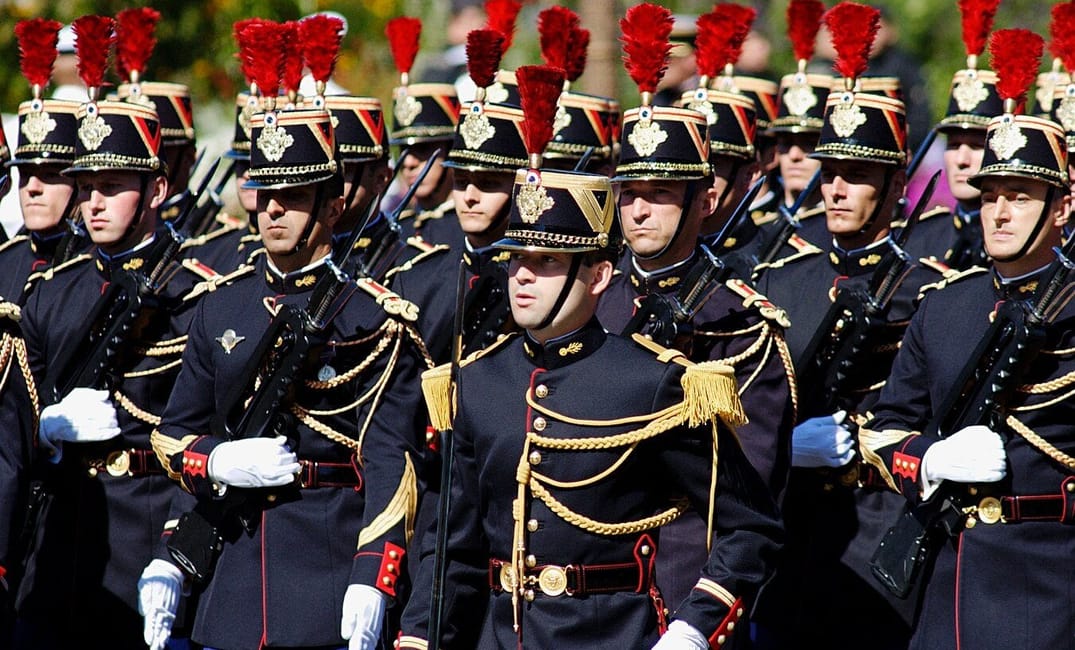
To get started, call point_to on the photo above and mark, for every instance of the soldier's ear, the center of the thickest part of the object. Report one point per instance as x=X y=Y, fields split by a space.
x=600 y=277
x=1062 y=214
x=332 y=211
x=158 y=190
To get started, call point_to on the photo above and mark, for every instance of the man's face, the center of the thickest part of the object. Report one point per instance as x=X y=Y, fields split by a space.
x=111 y=201
x=480 y=197
x=44 y=194
x=535 y=280
x=962 y=159
x=283 y=215
x=372 y=177
x=649 y=214
x=793 y=155
x=413 y=163
x=1011 y=207
x=852 y=192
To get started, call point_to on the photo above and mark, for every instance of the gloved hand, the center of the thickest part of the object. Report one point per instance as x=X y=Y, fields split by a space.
x=363 y=616
x=253 y=462
x=822 y=442
x=158 y=597
x=85 y=415
x=682 y=636
x=974 y=454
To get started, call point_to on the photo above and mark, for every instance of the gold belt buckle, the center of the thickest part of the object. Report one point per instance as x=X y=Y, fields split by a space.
x=118 y=463
x=989 y=511
x=507 y=578
x=552 y=580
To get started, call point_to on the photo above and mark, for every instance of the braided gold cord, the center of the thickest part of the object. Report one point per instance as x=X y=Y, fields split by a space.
x=153 y=371
x=1040 y=443
x=415 y=336
x=325 y=430
x=135 y=410
x=651 y=430
x=367 y=339
x=5 y=359
x=647 y=417
x=31 y=386
x=1035 y=407
x=789 y=370
x=569 y=485
x=757 y=367
x=339 y=380
x=1049 y=386
x=602 y=528
x=729 y=334
x=162 y=350
x=1059 y=352
x=382 y=384
x=750 y=351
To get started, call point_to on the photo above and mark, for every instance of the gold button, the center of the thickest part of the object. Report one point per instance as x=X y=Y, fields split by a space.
x=1070 y=487
x=535 y=458
x=739 y=612
x=721 y=639
x=394 y=555
x=989 y=510
x=391 y=568
x=542 y=391
x=971 y=521
x=644 y=550
x=92 y=471
x=531 y=561
x=731 y=626
x=972 y=490
x=540 y=424
x=271 y=498
x=387 y=581
x=529 y=595
x=532 y=525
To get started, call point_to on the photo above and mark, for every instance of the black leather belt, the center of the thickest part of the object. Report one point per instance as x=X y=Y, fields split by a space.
x=124 y=462
x=1058 y=507
x=317 y=474
x=572 y=579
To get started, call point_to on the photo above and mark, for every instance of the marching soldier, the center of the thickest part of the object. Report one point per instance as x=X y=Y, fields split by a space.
x=108 y=497
x=328 y=497
x=1013 y=473
x=552 y=534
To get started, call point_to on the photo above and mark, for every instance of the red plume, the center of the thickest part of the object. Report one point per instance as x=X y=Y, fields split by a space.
x=737 y=21
x=244 y=45
x=576 y=53
x=484 y=49
x=403 y=34
x=804 y=21
x=135 y=29
x=500 y=15
x=1015 y=56
x=539 y=90
x=1062 y=33
x=37 y=48
x=264 y=52
x=291 y=76
x=853 y=28
x=556 y=26
x=646 y=28
x=321 y=36
x=94 y=38
x=977 y=18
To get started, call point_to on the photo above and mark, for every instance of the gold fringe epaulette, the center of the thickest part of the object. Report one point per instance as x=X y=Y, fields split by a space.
x=950 y=276
x=437 y=385
x=51 y=271
x=14 y=241
x=425 y=251
x=213 y=283
x=390 y=301
x=752 y=299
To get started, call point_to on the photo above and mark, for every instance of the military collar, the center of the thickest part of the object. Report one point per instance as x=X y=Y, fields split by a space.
x=45 y=247
x=859 y=261
x=663 y=280
x=965 y=215
x=480 y=259
x=567 y=349
x=1018 y=288
x=298 y=281
x=131 y=260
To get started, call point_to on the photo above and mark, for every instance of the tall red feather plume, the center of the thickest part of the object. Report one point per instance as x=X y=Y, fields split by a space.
x=556 y=26
x=737 y=21
x=37 y=49
x=1062 y=34
x=403 y=35
x=264 y=54
x=853 y=27
x=646 y=28
x=244 y=45
x=977 y=21
x=576 y=53
x=321 y=36
x=501 y=15
x=485 y=47
x=804 y=22
x=539 y=90
x=94 y=37
x=291 y=76
x=1015 y=55
x=135 y=31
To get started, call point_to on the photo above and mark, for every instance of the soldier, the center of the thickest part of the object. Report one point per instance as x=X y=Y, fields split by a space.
x=570 y=564
x=331 y=499
x=109 y=497
x=1015 y=473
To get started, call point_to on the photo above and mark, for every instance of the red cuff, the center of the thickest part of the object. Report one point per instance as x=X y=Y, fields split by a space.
x=727 y=626
x=391 y=566
x=906 y=466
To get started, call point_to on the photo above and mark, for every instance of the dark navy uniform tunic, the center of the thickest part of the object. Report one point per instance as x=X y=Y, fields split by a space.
x=111 y=499
x=526 y=478
x=436 y=226
x=225 y=247
x=357 y=416
x=1001 y=584
x=20 y=257
x=954 y=238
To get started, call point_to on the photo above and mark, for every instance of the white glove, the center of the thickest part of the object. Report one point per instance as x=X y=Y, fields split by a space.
x=158 y=597
x=85 y=415
x=682 y=636
x=363 y=615
x=253 y=462
x=973 y=454
x=822 y=442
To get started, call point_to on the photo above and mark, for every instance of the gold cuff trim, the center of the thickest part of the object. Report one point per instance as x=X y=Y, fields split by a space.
x=402 y=507
x=715 y=590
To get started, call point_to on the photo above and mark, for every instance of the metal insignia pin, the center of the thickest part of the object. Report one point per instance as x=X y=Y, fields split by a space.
x=326 y=373
x=228 y=340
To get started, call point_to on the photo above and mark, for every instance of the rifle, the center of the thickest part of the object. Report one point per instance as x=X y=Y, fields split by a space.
x=666 y=318
x=771 y=246
x=854 y=326
x=202 y=215
x=980 y=395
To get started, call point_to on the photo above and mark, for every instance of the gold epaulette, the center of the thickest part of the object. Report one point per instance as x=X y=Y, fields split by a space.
x=215 y=233
x=426 y=250
x=753 y=299
x=949 y=276
x=50 y=272
x=389 y=301
x=928 y=214
x=211 y=284
x=709 y=388
x=812 y=212
x=199 y=269
x=761 y=217
x=803 y=249
x=437 y=385
x=436 y=213
x=17 y=239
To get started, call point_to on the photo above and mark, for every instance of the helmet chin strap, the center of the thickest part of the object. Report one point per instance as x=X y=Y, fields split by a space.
x=500 y=219
x=319 y=198
x=143 y=185
x=1042 y=218
x=885 y=187
x=572 y=274
x=688 y=200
